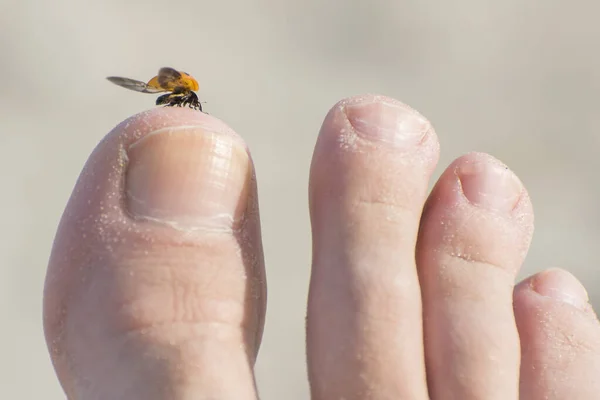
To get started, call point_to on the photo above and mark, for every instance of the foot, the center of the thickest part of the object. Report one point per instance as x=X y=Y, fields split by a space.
x=156 y=283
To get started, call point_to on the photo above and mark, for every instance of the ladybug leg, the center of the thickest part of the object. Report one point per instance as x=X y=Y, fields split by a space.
x=163 y=100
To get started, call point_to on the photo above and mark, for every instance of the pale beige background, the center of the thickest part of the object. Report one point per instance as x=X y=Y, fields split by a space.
x=517 y=79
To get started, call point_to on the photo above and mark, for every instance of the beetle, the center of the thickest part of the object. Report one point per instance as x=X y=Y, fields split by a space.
x=180 y=85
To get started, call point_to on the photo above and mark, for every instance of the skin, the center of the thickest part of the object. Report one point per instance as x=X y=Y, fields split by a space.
x=156 y=287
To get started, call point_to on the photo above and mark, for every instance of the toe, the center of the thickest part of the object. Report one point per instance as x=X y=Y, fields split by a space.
x=560 y=338
x=368 y=182
x=475 y=232
x=155 y=287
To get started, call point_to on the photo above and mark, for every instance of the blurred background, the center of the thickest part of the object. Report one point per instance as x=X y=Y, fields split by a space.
x=520 y=80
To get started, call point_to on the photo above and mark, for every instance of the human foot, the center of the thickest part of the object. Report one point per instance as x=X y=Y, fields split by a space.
x=156 y=286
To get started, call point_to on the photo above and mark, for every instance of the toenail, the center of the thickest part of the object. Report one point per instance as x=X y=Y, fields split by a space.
x=188 y=178
x=490 y=185
x=562 y=286
x=386 y=120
